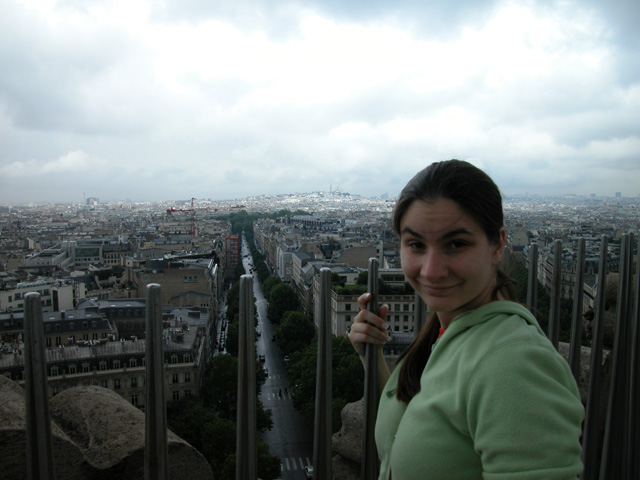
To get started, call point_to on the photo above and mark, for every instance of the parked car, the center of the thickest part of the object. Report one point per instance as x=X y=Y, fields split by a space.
x=261 y=357
x=286 y=358
x=308 y=471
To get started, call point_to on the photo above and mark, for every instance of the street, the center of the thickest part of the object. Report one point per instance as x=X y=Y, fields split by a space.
x=290 y=438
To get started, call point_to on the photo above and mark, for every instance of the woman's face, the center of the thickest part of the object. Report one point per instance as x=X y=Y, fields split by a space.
x=447 y=257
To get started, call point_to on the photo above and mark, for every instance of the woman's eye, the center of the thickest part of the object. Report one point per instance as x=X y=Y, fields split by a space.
x=457 y=244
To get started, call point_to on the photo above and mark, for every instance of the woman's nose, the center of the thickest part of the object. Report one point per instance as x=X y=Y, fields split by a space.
x=433 y=266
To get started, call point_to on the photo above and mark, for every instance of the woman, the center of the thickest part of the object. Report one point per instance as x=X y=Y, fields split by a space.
x=481 y=392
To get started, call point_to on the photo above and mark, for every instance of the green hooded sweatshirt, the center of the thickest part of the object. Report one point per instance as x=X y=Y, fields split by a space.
x=497 y=402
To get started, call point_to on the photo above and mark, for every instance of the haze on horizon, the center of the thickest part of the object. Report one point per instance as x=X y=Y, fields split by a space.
x=171 y=100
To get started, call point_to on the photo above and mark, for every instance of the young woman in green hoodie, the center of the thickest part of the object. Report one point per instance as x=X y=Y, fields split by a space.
x=481 y=393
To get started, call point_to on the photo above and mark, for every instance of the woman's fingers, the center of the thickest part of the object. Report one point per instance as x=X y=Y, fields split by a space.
x=368 y=327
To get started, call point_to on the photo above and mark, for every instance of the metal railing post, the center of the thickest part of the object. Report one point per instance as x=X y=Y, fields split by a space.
x=591 y=433
x=616 y=436
x=532 y=286
x=576 y=321
x=40 y=464
x=634 y=373
x=156 y=455
x=556 y=284
x=370 y=466
x=246 y=438
x=419 y=315
x=322 y=425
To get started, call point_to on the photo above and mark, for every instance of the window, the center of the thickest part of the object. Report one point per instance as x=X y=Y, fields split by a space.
x=174 y=359
x=94 y=336
x=103 y=383
x=186 y=358
x=48 y=341
x=347 y=307
x=133 y=363
x=116 y=383
x=187 y=393
x=347 y=318
x=187 y=377
x=85 y=336
x=134 y=399
x=85 y=368
x=103 y=365
x=58 y=341
x=54 y=371
x=175 y=378
x=72 y=369
x=176 y=395
x=134 y=381
x=116 y=364
x=405 y=307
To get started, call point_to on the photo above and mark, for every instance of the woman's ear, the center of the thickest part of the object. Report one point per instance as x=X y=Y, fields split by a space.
x=498 y=247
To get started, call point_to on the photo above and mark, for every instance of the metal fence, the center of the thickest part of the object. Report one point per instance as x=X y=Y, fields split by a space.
x=610 y=451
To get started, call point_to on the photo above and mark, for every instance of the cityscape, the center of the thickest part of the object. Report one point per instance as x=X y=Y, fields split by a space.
x=91 y=264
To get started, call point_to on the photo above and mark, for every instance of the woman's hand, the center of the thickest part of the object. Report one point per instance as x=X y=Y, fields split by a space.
x=368 y=327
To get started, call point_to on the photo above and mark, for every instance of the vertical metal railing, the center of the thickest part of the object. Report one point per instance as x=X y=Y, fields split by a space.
x=322 y=425
x=370 y=468
x=576 y=320
x=246 y=439
x=40 y=464
x=156 y=465
x=556 y=293
x=532 y=285
x=420 y=315
x=615 y=449
x=634 y=374
x=591 y=432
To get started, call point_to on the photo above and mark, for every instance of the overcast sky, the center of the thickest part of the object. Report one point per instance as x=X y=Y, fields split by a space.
x=174 y=99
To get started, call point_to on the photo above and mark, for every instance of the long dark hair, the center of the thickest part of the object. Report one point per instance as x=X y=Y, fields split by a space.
x=479 y=197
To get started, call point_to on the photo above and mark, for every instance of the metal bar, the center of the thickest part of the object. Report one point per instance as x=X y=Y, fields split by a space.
x=420 y=316
x=634 y=373
x=591 y=433
x=322 y=425
x=614 y=450
x=532 y=286
x=246 y=438
x=40 y=464
x=576 y=321
x=556 y=293
x=156 y=465
x=370 y=466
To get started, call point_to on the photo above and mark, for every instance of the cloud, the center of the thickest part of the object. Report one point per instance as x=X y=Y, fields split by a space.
x=214 y=99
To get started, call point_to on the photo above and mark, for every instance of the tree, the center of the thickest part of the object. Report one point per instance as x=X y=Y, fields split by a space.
x=295 y=332
x=348 y=379
x=283 y=298
x=269 y=283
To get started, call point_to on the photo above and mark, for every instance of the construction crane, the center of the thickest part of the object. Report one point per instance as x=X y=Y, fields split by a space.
x=192 y=230
x=192 y=210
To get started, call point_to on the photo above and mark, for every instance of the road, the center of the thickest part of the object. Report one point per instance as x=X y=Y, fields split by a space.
x=290 y=438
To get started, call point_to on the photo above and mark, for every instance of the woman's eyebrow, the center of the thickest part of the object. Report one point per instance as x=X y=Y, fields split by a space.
x=450 y=234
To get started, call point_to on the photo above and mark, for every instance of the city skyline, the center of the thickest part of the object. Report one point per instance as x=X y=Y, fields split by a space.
x=152 y=101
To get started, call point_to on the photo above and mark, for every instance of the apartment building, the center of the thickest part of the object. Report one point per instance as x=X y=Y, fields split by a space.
x=55 y=294
x=120 y=365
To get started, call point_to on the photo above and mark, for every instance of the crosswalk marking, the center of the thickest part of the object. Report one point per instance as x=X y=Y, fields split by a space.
x=291 y=463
